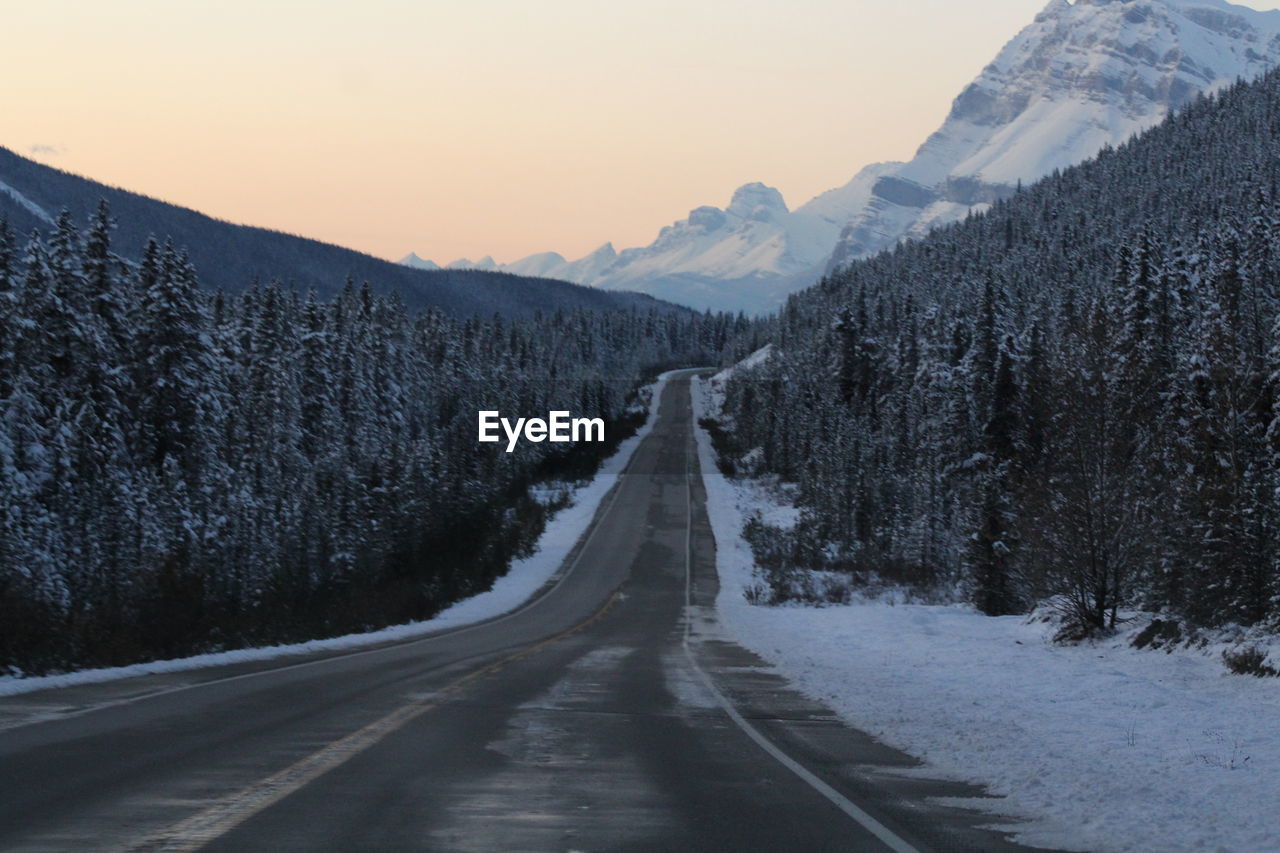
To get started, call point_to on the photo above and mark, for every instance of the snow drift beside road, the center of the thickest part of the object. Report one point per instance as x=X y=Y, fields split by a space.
x=1100 y=747
x=525 y=577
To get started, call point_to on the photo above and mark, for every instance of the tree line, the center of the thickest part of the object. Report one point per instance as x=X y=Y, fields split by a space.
x=184 y=471
x=1072 y=397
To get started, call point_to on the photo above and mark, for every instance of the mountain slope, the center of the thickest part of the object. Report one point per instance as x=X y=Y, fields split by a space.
x=746 y=256
x=230 y=257
x=1080 y=377
x=412 y=260
x=1078 y=78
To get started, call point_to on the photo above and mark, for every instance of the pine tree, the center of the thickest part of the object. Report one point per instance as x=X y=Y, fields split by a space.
x=991 y=559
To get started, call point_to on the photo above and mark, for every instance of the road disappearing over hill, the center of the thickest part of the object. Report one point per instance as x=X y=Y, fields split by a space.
x=609 y=713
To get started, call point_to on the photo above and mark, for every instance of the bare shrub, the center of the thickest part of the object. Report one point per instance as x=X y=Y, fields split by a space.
x=1249 y=660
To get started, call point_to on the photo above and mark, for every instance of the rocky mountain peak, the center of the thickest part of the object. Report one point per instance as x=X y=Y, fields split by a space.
x=1079 y=77
x=757 y=201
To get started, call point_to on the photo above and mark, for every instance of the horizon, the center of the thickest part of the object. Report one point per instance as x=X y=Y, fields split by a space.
x=523 y=166
x=512 y=152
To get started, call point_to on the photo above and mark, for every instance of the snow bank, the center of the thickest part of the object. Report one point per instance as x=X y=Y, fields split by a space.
x=1101 y=747
x=523 y=579
x=756 y=359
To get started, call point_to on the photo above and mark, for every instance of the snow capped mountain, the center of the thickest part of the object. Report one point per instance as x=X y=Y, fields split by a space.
x=754 y=235
x=412 y=260
x=486 y=264
x=1079 y=77
x=747 y=256
x=553 y=265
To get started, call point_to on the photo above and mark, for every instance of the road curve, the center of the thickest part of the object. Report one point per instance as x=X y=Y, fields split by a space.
x=608 y=714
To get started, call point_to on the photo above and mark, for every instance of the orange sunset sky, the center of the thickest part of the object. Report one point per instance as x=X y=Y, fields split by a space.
x=500 y=127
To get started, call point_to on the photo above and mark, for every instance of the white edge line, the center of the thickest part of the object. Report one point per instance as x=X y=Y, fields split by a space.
x=869 y=823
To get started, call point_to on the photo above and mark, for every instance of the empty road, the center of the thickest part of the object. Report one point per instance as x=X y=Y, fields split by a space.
x=609 y=714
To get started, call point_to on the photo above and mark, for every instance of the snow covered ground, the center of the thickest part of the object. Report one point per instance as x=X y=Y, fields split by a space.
x=525 y=577
x=1098 y=747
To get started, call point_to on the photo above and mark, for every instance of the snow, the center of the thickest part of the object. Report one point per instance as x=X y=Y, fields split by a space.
x=525 y=578
x=754 y=236
x=544 y=265
x=1099 y=747
x=1064 y=124
x=586 y=270
x=756 y=359
x=487 y=264
x=412 y=260
x=1079 y=77
x=35 y=209
x=1052 y=135
x=838 y=206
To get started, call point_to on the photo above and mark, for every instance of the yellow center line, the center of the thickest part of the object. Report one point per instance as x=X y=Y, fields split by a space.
x=225 y=815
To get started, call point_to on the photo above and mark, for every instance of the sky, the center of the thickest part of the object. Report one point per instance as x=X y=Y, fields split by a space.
x=460 y=128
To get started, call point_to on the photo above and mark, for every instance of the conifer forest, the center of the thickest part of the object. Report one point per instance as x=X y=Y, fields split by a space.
x=184 y=471
x=1072 y=398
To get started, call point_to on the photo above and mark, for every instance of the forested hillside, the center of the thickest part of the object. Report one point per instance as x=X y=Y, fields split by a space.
x=184 y=471
x=231 y=257
x=1072 y=397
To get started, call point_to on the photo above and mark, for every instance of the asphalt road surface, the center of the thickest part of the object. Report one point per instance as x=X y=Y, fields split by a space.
x=607 y=715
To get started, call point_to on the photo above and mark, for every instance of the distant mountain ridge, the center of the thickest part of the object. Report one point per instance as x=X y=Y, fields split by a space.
x=231 y=257
x=1079 y=77
x=751 y=253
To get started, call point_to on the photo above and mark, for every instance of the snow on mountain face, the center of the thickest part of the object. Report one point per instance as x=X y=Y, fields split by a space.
x=747 y=237
x=585 y=270
x=487 y=264
x=1079 y=77
x=747 y=256
x=412 y=260
x=38 y=211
